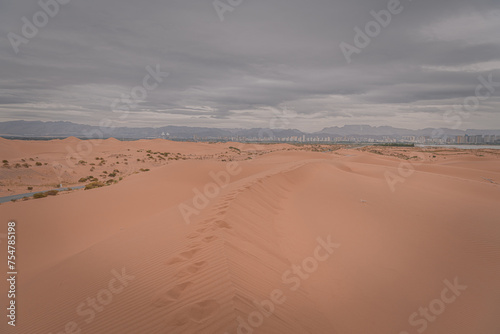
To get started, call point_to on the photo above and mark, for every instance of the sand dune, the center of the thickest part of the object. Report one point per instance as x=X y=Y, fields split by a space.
x=281 y=240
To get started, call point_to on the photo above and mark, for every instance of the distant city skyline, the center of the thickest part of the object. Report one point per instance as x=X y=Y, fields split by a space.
x=348 y=133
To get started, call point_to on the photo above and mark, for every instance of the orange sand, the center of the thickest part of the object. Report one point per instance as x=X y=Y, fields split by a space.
x=251 y=254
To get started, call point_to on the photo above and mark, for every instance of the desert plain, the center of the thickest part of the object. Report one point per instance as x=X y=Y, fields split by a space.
x=191 y=237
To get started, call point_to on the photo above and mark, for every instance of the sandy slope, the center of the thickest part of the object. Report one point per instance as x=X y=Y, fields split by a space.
x=296 y=242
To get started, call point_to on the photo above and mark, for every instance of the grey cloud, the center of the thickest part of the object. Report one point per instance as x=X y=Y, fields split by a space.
x=264 y=54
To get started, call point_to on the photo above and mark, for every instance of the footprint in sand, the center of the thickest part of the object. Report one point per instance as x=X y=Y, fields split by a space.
x=184 y=256
x=168 y=295
x=193 y=245
x=193 y=235
x=206 y=228
x=198 y=313
x=222 y=224
x=191 y=269
x=222 y=206
x=205 y=239
x=204 y=310
x=209 y=239
x=220 y=214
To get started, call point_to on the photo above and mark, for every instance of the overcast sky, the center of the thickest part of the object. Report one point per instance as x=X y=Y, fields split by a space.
x=276 y=63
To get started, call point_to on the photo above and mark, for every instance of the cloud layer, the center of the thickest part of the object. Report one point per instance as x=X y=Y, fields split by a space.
x=264 y=56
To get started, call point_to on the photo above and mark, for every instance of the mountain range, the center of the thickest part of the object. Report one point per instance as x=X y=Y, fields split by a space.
x=66 y=129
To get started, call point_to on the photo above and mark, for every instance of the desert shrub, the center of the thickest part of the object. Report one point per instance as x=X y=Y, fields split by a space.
x=5 y=162
x=40 y=195
x=144 y=169
x=30 y=188
x=83 y=179
x=38 y=163
x=26 y=165
x=95 y=184
x=396 y=144
x=31 y=159
x=234 y=148
x=52 y=192
x=112 y=174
